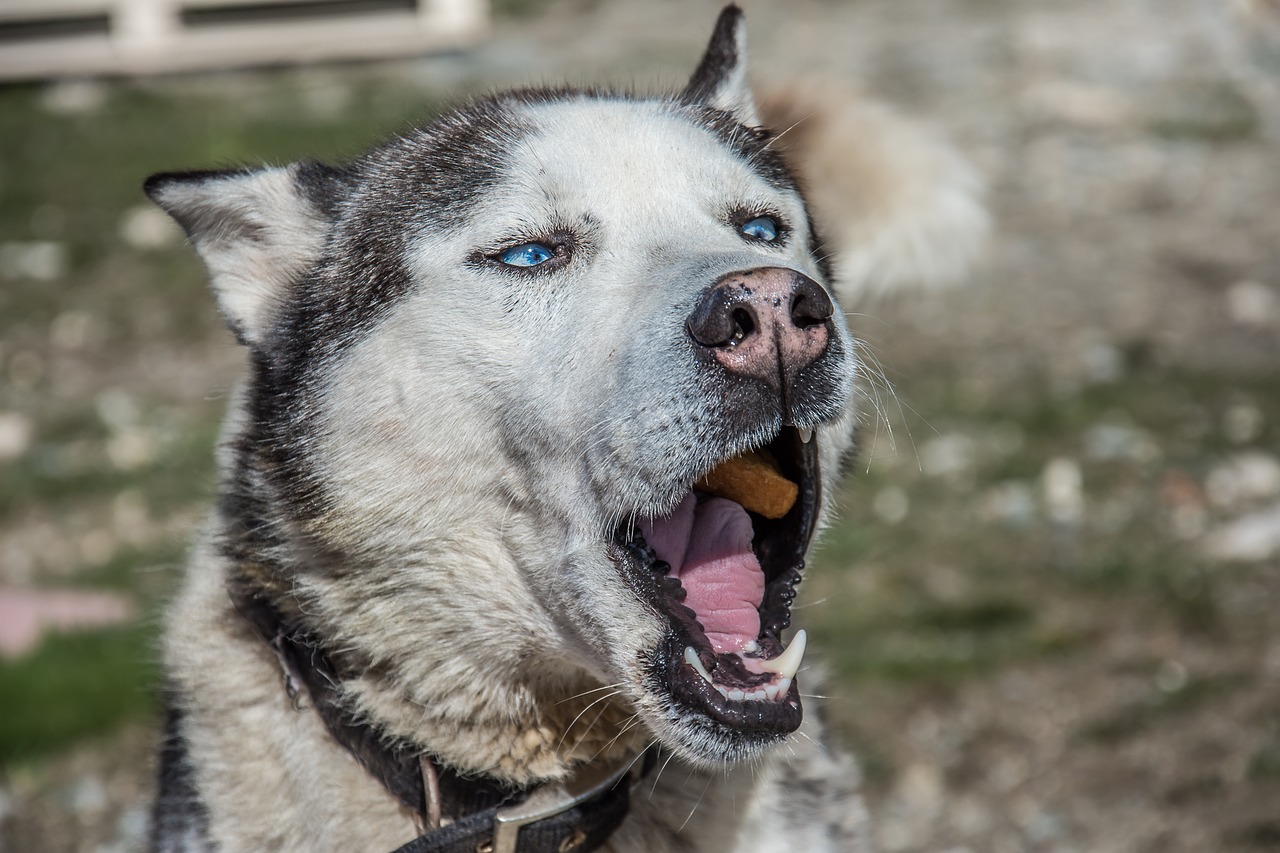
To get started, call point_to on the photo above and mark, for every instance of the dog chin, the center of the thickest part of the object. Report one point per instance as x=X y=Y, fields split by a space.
x=720 y=685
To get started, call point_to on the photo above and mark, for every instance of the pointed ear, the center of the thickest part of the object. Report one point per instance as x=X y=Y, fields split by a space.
x=721 y=78
x=256 y=230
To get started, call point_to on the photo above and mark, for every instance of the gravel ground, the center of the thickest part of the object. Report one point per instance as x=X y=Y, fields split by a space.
x=1092 y=473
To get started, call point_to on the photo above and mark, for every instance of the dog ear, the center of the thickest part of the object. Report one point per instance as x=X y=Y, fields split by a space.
x=257 y=231
x=720 y=80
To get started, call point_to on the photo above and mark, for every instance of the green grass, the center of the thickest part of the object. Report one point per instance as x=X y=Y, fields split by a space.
x=75 y=686
x=70 y=177
x=57 y=476
x=1158 y=705
x=884 y=619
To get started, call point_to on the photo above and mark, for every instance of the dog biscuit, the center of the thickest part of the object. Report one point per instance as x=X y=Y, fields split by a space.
x=754 y=481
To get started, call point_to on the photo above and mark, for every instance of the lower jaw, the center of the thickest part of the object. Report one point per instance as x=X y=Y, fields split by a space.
x=750 y=718
x=711 y=724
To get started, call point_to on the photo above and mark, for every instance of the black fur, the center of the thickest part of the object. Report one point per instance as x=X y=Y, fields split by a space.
x=178 y=815
x=426 y=180
x=720 y=60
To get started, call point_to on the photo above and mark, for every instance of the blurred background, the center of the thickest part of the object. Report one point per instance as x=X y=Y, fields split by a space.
x=1050 y=616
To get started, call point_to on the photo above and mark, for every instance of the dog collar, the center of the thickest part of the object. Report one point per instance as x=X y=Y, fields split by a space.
x=457 y=813
x=578 y=815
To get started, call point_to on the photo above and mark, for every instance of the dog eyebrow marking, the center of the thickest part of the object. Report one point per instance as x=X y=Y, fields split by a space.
x=751 y=144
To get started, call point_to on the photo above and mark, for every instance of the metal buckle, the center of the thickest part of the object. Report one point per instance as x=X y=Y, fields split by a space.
x=551 y=799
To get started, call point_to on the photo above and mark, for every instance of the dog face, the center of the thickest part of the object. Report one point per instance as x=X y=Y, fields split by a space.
x=489 y=363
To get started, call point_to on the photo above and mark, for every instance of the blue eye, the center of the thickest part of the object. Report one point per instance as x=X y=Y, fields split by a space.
x=761 y=228
x=526 y=255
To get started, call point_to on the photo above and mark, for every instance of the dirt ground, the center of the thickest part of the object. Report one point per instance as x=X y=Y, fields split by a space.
x=1050 y=620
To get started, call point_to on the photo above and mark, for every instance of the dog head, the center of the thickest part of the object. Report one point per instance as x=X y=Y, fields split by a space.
x=493 y=363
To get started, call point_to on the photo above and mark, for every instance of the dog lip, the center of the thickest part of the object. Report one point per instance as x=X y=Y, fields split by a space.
x=771 y=717
x=780 y=546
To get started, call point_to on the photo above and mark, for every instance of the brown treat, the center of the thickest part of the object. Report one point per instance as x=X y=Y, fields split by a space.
x=754 y=481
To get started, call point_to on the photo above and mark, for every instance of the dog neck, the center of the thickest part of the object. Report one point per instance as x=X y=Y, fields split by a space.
x=411 y=772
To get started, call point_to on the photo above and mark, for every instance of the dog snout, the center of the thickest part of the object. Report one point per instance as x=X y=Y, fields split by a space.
x=767 y=324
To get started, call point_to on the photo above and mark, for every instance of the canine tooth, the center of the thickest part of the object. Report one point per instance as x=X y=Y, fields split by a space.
x=788 y=662
x=783 y=686
x=771 y=691
x=806 y=435
x=691 y=658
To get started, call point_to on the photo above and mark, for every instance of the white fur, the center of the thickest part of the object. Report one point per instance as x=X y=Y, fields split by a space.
x=255 y=234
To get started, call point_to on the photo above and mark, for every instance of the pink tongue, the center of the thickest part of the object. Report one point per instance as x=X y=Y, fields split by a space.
x=708 y=544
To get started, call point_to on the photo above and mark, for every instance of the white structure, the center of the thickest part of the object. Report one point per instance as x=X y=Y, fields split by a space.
x=64 y=38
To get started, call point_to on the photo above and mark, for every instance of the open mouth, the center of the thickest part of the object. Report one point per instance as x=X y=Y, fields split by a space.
x=721 y=570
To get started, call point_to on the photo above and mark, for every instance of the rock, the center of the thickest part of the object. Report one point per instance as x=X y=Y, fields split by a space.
x=1242 y=423
x=1251 y=303
x=76 y=330
x=1078 y=104
x=1185 y=499
x=42 y=260
x=131 y=449
x=15 y=435
x=891 y=505
x=1120 y=442
x=1062 y=486
x=1253 y=538
x=26 y=369
x=1171 y=677
x=1011 y=503
x=921 y=788
x=132 y=828
x=74 y=97
x=87 y=796
x=1103 y=362
x=148 y=227
x=117 y=409
x=1244 y=478
x=948 y=455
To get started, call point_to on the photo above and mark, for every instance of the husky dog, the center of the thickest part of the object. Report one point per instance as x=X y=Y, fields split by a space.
x=460 y=591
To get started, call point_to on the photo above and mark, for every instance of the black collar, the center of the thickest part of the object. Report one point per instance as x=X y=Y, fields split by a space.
x=459 y=814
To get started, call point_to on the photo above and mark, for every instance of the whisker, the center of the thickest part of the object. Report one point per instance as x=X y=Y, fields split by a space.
x=793 y=126
x=626 y=727
x=705 y=788
x=658 y=775
x=569 y=727
x=592 y=690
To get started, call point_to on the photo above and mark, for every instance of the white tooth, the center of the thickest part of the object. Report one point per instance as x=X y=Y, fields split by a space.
x=806 y=435
x=784 y=685
x=756 y=696
x=724 y=691
x=750 y=647
x=691 y=658
x=736 y=695
x=771 y=691
x=788 y=662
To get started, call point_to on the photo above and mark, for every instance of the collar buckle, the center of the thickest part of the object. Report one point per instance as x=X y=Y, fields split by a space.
x=590 y=781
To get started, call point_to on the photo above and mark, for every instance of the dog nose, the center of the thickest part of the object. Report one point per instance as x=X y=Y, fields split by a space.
x=767 y=324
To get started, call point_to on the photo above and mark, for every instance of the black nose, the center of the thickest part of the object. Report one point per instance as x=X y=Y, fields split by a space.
x=768 y=323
